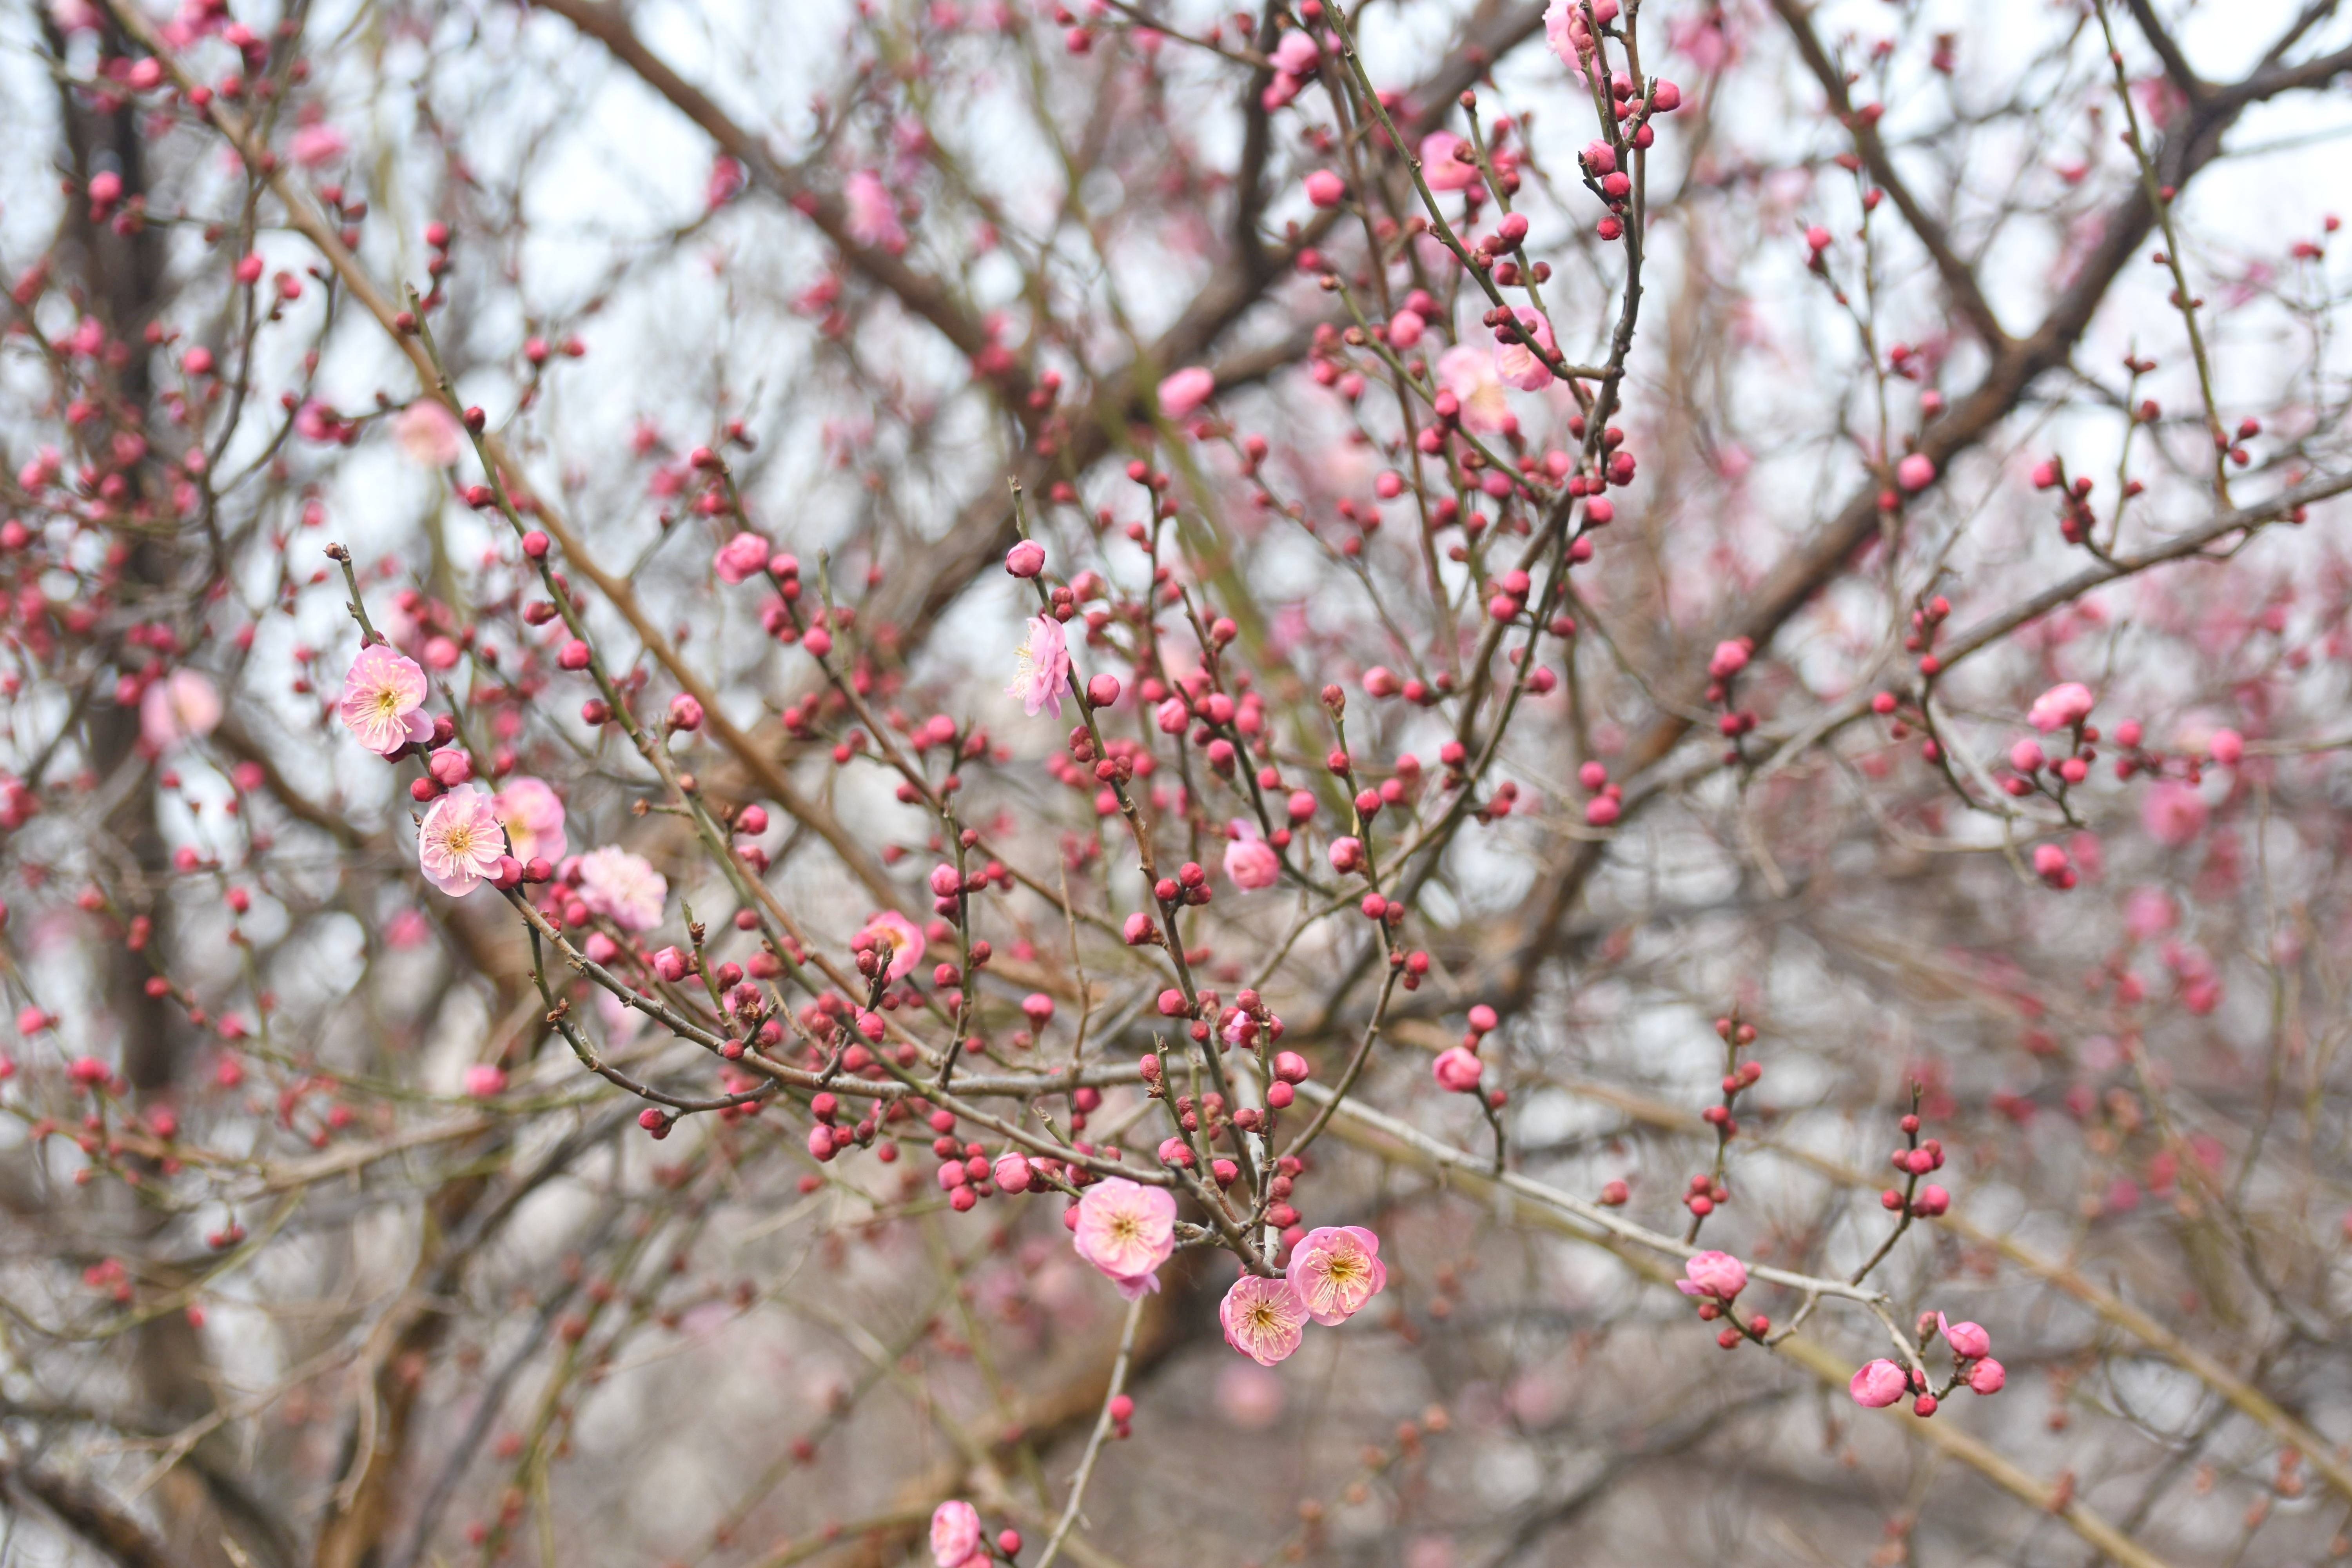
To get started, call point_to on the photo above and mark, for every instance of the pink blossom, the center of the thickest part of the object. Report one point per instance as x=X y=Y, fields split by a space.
x=1127 y=1230
x=1186 y=391
x=1879 y=1384
x=427 y=433
x=741 y=557
x=955 y=1535
x=315 y=145
x=1297 y=53
x=460 y=844
x=1987 y=1376
x=485 y=1081
x=2227 y=747
x=1250 y=860
x=1325 y=189
x=1566 y=32
x=895 y=935
x=2147 y=912
x=1456 y=1070
x=1520 y=365
x=1715 y=1274
x=623 y=887
x=1915 y=472
x=1441 y=168
x=534 y=815
x=1043 y=670
x=1702 y=40
x=873 y=218
x=2026 y=756
x=1248 y=1396
x=1472 y=378
x=1968 y=1341
x=384 y=694
x=2173 y=813
x=181 y=706
x=1264 y=1318
x=2069 y=702
x=1336 y=1269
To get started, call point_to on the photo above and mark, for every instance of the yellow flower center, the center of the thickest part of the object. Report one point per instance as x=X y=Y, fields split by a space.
x=460 y=841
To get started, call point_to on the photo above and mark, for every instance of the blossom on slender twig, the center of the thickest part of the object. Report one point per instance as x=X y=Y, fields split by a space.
x=460 y=843
x=616 y=883
x=1045 y=668
x=1127 y=1230
x=384 y=694
x=1336 y=1269
x=534 y=815
x=1264 y=1318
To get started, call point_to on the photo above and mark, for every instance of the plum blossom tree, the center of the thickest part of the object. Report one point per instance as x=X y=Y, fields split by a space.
x=1139 y=782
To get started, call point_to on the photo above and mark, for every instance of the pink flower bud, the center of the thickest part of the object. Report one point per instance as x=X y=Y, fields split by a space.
x=1967 y=1340
x=1879 y=1384
x=485 y=1081
x=670 y=965
x=1381 y=681
x=2227 y=747
x=1347 y=854
x=2025 y=756
x=1457 y=1071
x=1102 y=690
x=1325 y=189
x=1987 y=1376
x=946 y=881
x=685 y=712
x=1012 y=1173
x=1026 y=559
x=1915 y=472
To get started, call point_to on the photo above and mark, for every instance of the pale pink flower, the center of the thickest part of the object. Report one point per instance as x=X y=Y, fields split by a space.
x=1186 y=391
x=1440 y=168
x=314 y=145
x=2069 y=702
x=624 y=886
x=1250 y=860
x=2173 y=813
x=873 y=218
x=1336 y=1269
x=427 y=434
x=899 y=937
x=460 y=844
x=1520 y=365
x=1249 y=1396
x=1715 y=1274
x=1703 y=40
x=742 y=557
x=1044 y=671
x=1127 y=1230
x=955 y=1533
x=1879 y=1384
x=533 y=814
x=1264 y=1318
x=1565 y=30
x=383 y=698
x=1297 y=53
x=182 y=705
x=1471 y=377
x=2147 y=912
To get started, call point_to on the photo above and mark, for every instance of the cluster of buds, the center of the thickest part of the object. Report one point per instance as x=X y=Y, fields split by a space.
x=1714 y=1279
x=2075 y=517
x=1915 y=1159
x=1883 y=1383
x=1706 y=1191
x=1927 y=620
